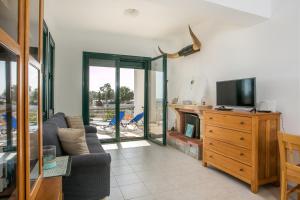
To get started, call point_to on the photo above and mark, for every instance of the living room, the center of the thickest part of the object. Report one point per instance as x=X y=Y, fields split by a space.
x=144 y=100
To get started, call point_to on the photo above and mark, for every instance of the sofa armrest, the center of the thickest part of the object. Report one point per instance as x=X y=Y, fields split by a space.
x=90 y=177
x=91 y=160
x=90 y=129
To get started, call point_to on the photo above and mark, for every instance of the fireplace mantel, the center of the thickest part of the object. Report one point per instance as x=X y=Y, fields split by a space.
x=181 y=109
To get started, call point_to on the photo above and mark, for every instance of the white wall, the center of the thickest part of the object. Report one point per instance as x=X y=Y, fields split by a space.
x=268 y=51
x=257 y=7
x=68 y=66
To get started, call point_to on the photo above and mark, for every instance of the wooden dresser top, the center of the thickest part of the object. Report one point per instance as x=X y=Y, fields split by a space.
x=242 y=113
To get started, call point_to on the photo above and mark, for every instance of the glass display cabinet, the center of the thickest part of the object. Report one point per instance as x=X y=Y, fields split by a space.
x=20 y=115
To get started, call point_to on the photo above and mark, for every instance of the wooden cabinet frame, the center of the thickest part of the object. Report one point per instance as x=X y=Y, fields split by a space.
x=21 y=49
x=29 y=60
x=17 y=47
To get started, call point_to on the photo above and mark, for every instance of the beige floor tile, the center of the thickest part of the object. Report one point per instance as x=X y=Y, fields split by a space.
x=164 y=173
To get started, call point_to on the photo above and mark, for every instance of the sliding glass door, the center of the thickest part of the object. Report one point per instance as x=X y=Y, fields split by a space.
x=113 y=96
x=157 y=100
x=125 y=96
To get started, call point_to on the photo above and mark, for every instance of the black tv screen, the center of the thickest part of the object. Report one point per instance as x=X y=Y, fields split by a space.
x=239 y=93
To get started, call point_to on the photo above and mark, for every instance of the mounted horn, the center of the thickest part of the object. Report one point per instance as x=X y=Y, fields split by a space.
x=170 y=55
x=188 y=50
x=196 y=42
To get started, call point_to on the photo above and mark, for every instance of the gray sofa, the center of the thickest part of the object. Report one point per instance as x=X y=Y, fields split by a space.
x=90 y=173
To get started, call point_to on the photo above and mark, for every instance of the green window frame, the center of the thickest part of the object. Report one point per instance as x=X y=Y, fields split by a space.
x=123 y=61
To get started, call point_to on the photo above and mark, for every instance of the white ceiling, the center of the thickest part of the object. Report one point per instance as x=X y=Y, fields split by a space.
x=157 y=18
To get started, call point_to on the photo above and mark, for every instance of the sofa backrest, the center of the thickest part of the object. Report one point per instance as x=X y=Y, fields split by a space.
x=50 y=131
x=50 y=136
x=60 y=120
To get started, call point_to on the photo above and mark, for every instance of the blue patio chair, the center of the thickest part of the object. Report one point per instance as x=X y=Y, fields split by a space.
x=13 y=121
x=113 y=121
x=135 y=120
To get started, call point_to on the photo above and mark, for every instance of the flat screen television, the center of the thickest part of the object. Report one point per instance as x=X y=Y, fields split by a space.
x=237 y=93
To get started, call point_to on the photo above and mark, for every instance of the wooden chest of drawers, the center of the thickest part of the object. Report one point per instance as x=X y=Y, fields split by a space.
x=243 y=144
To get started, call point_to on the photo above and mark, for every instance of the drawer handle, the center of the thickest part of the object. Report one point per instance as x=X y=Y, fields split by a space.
x=242 y=123
x=241 y=154
x=211 y=156
x=210 y=131
x=242 y=138
x=210 y=143
x=211 y=118
x=241 y=170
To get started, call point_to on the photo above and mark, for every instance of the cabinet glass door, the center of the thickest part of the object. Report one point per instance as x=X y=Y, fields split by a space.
x=8 y=122
x=157 y=100
x=9 y=22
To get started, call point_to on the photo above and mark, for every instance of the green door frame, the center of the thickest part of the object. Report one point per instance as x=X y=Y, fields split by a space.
x=121 y=61
x=165 y=99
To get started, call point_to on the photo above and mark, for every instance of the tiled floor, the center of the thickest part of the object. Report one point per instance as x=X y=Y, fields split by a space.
x=146 y=171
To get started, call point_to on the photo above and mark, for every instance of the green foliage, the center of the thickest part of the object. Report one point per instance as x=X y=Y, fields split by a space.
x=106 y=93
x=126 y=94
x=109 y=115
x=33 y=98
x=92 y=96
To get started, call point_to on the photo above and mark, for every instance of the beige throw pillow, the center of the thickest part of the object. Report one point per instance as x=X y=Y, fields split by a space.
x=75 y=122
x=73 y=141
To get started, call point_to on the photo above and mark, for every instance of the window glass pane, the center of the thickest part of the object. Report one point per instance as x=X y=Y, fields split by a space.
x=8 y=122
x=9 y=17
x=156 y=95
x=132 y=102
x=34 y=28
x=33 y=79
x=102 y=103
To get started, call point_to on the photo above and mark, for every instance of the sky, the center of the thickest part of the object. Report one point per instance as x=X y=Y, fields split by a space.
x=2 y=75
x=101 y=75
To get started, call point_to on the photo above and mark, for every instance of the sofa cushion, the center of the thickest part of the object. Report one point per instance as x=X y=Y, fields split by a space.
x=60 y=121
x=73 y=141
x=50 y=136
x=75 y=122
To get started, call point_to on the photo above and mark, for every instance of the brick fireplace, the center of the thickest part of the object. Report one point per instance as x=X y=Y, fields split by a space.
x=192 y=114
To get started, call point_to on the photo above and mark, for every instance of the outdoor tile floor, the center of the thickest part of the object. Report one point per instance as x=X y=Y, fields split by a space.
x=142 y=170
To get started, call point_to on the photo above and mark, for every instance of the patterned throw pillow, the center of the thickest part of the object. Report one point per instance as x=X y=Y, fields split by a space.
x=73 y=141
x=75 y=122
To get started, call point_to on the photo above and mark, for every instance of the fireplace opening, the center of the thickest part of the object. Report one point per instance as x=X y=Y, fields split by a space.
x=192 y=119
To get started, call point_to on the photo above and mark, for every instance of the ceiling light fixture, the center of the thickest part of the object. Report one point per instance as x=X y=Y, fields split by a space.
x=132 y=12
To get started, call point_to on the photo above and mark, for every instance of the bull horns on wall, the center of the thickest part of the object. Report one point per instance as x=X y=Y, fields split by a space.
x=188 y=50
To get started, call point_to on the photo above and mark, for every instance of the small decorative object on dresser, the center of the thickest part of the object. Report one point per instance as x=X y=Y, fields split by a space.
x=175 y=100
x=243 y=145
